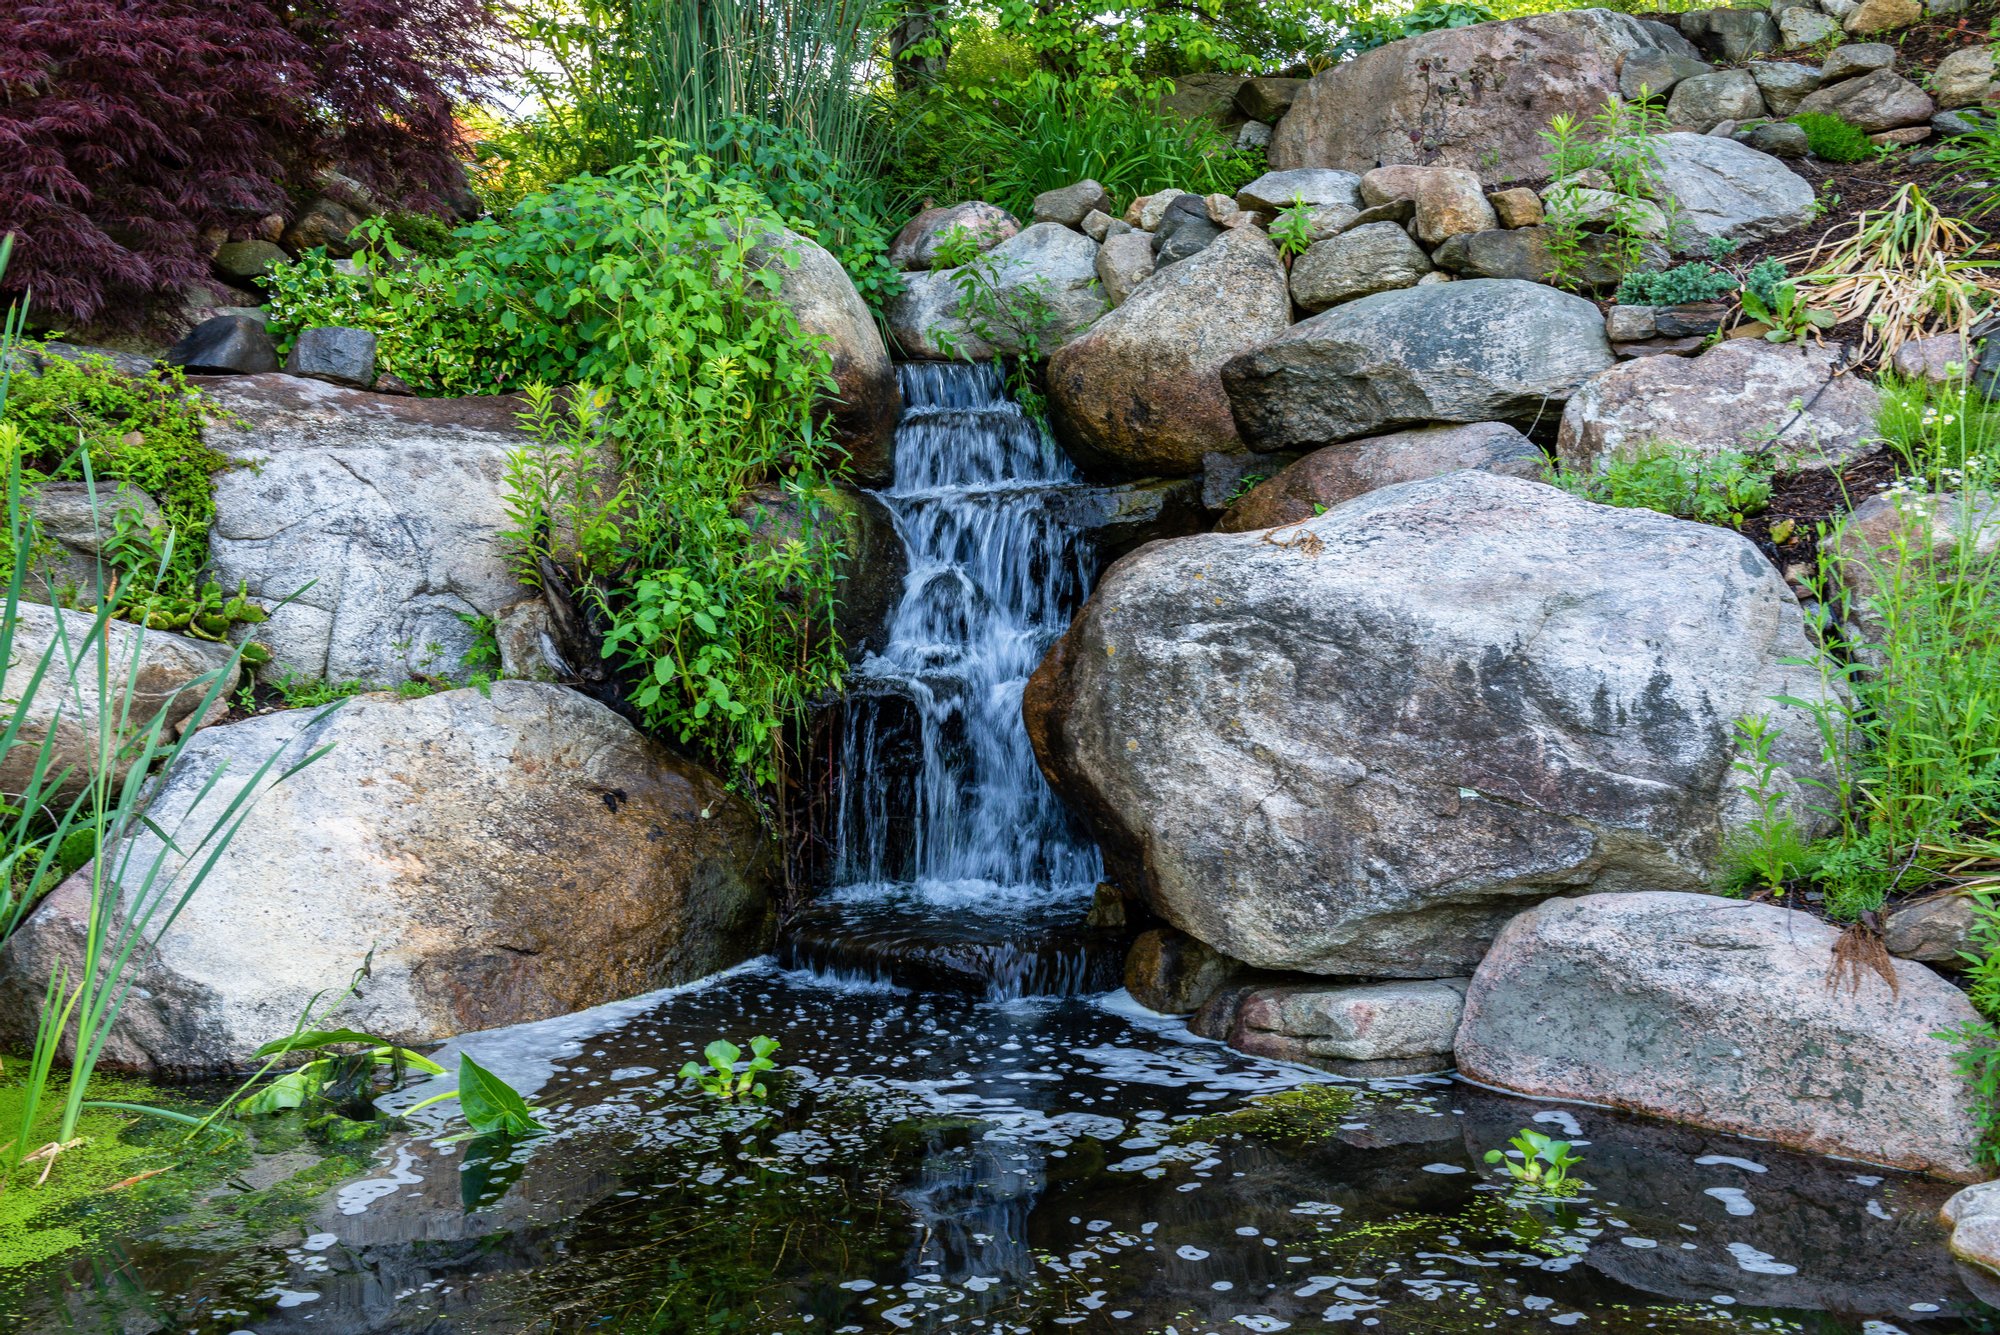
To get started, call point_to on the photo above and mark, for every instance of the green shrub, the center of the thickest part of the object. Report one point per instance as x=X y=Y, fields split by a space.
x=1722 y=488
x=1832 y=139
x=1696 y=280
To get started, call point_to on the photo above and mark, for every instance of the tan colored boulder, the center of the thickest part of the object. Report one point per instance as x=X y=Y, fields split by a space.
x=507 y=856
x=1123 y=262
x=1726 y=1014
x=1518 y=207
x=1141 y=392
x=1936 y=930
x=1963 y=78
x=1325 y=478
x=1884 y=16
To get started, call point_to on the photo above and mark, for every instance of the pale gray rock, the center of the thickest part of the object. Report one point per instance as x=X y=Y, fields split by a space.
x=1963 y=78
x=1365 y=1029
x=1358 y=750
x=1051 y=261
x=1325 y=478
x=77 y=524
x=383 y=515
x=1656 y=73
x=1855 y=59
x=463 y=837
x=1474 y=97
x=1355 y=263
x=1706 y=100
x=1742 y=394
x=1937 y=931
x=1724 y=1014
x=1123 y=262
x=170 y=677
x=1140 y=393
x=1482 y=350
x=1875 y=102
x=1276 y=191
x=916 y=246
x=1720 y=188
x=1253 y=135
x=1973 y=1216
x=1800 y=28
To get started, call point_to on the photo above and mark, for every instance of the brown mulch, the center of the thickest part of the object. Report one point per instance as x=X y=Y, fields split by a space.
x=1809 y=499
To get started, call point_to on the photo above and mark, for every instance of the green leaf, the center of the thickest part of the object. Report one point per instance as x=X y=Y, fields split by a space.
x=490 y=1103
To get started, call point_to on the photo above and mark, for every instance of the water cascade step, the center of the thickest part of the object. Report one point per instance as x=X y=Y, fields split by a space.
x=953 y=864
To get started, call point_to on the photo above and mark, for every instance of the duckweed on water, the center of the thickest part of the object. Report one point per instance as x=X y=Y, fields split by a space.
x=1310 y=1112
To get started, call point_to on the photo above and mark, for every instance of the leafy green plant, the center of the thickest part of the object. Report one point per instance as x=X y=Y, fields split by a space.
x=1292 y=229
x=1539 y=1163
x=723 y=1080
x=332 y=1065
x=1948 y=430
x=1015 y=316
x=1770 y=848
x=1696 y=280
x=1784 y=308
x=1617 y=155
x=490 y=1106
x=1832 y=139
x=1721 y=488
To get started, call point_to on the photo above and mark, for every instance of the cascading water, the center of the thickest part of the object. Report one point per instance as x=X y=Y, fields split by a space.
x=953 y=864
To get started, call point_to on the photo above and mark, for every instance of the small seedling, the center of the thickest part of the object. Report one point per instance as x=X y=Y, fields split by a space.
x=1539 y=1163
x=723 y=1080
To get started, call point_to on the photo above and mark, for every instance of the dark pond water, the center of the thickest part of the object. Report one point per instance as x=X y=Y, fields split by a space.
x=944 y=1163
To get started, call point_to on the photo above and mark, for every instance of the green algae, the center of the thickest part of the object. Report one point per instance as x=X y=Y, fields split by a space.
x=1308 y=1113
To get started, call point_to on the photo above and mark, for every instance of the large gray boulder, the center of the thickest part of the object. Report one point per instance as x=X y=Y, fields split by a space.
x=1721 y=188
x=865 y=401
x=1706 y=100
x=169 y=675
x=1359 y=748
x=1883 y=100
x=382 y=515
x=1274 y=192
x=1724 y=1014
x=1475 y=97
x=507 y=856
x=1140 y=393
x=1483 y=350
x=1743 y=394
x=1047 y=273
x=1325 y=478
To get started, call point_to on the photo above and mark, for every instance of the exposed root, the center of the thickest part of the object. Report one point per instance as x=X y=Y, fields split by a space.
x=1305 y=540
x=1860 y=947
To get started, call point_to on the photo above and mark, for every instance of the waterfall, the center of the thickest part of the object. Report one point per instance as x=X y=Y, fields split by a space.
x=951 y=857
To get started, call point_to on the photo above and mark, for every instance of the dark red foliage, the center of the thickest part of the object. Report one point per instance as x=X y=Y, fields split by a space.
x=130 y=127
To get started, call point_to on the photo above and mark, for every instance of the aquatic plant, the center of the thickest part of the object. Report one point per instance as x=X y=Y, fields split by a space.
x=1310 y=1112
x=1539 y=1162
x=723 y=1080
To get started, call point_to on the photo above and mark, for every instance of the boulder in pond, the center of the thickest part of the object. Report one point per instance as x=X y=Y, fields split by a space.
x=506 y=856
x=170 y=676
x=1046 y=266
x=1474 y=97
x=1140 y=392
x=383 y=515
x=1355 y=1029
x=824 y=301
x=1742 y=394
x=1726 y=1014
x=1483 y=350
x=1325 y=478
x=1358 y=749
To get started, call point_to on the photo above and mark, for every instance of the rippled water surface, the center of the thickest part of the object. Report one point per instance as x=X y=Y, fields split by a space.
x=936 y=1163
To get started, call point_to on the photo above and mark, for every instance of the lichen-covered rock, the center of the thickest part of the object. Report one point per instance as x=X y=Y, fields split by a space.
x=1478 y=351
x=1705 y=101
x=1883 y=100
x=1742 y=394
x=916 y=246
x=506 y=856
x=1050 y=268
x=1141 y=392
x=1724 y=1014
x=1723 y=189
x=1325 y=478
x=378 y=517
x=1474 y=97
x=1358 y=262
x=169 y=676
x=1358 y=750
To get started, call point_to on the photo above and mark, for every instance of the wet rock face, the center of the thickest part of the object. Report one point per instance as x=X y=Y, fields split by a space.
x=382 y=515
x=1358 y=751
x=1724 y=1014
x=1465 y=97
x=1141 y=392
x=1475 y=351
x=508 y=856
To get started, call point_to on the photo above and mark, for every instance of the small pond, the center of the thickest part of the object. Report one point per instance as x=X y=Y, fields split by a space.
x=936 y=1162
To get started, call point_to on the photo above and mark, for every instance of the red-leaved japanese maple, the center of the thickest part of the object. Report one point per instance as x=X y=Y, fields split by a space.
x=130 y=127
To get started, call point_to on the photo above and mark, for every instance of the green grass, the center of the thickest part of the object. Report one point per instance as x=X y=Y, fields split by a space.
x=1834 y=140
x=1721 y=488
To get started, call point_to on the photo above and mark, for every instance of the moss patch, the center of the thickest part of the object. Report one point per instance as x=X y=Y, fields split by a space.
x=1310 y=1112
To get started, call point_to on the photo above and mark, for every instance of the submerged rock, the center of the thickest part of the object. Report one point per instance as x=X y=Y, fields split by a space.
x=506 y=857
x=1359 y=750
x=379 y=517
x=1726 y=1014
x=1141 y=392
